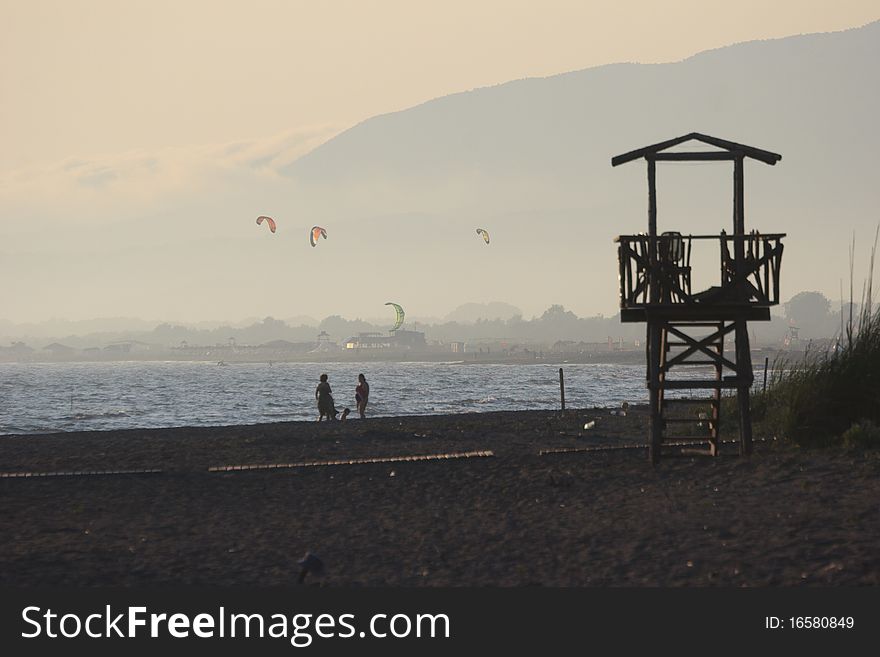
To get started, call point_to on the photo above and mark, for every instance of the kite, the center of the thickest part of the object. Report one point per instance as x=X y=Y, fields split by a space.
x=484 y=233
x=269 y=220
x=316 y=232
x=398 y=320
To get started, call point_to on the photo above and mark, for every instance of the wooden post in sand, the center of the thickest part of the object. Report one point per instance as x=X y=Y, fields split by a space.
x=562 y=389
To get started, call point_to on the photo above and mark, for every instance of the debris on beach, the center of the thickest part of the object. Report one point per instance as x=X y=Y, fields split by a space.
x=830 y=568
x=590 y=424
x=309 y=564
x=624 y=407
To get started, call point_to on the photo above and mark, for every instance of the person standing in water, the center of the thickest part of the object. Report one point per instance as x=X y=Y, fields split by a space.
x=361 y=395
x=326 y=405
x=324 y=396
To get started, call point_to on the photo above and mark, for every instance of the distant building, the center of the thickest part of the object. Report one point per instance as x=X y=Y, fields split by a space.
x=369 y=341
x=398 y=340
x=408 y=339
x=458 y=347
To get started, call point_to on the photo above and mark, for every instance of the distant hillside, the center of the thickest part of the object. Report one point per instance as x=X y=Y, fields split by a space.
x=530 y=160
x=810 y=97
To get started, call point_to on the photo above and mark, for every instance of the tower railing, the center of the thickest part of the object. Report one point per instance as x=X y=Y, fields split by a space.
x=656 y=272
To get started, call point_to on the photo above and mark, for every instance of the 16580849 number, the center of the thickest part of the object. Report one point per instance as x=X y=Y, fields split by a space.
x=821 y=622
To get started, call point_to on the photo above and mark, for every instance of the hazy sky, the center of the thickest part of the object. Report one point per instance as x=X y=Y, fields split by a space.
x=87 y=77
x=91 y=83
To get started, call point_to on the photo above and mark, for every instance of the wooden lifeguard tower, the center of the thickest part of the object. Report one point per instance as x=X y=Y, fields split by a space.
x=687 y=328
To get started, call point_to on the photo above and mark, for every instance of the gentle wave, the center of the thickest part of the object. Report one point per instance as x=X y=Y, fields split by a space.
x=46 y=397
x=97 y=416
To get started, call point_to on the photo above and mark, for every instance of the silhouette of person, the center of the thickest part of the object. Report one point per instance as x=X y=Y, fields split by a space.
x=362 y=395
x=324 y=396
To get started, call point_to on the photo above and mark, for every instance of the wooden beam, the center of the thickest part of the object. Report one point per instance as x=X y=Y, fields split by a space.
x=689 y=236
x=652 y=200
x=715 y=420
x=653 y=148
x=695 y=156
x=695 y=451
x=739 y=224
x=696 y=385
x=653 y=283
x=701 y=344
x=746 y=378
x=655 y=431
x=685 y=312
x=749 y=151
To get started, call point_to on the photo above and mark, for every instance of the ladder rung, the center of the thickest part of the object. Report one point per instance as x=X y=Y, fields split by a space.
x=681 y=343
x=683 y=419
x=709 y=401
x=695 y=323
x=696 y=451
x=693 y=385
x=696 y=362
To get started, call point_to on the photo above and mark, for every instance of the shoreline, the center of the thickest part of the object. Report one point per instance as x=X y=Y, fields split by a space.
x=628 y=357
x=784 y=517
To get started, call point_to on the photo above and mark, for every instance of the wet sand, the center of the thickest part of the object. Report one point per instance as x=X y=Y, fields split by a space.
x=784 y=517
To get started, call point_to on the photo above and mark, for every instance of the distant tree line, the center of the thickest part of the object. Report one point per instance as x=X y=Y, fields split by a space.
x=810 y=313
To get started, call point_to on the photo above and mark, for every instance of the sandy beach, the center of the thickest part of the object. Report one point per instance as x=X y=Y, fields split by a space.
x=528 y=514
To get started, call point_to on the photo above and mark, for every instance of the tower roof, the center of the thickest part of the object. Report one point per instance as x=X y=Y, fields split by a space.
x=729 y=150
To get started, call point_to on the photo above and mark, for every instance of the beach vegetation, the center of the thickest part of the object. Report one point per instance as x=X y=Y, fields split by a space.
x=862 y=434
x=830 y=397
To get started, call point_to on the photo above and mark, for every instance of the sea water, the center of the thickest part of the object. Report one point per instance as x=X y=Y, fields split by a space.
x=48 y=397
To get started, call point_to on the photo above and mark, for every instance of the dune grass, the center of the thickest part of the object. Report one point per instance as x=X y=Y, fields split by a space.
x=830 y=398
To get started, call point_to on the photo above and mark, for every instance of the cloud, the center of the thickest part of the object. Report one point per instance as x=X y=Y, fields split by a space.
x=100 y=187
x=98 y=177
